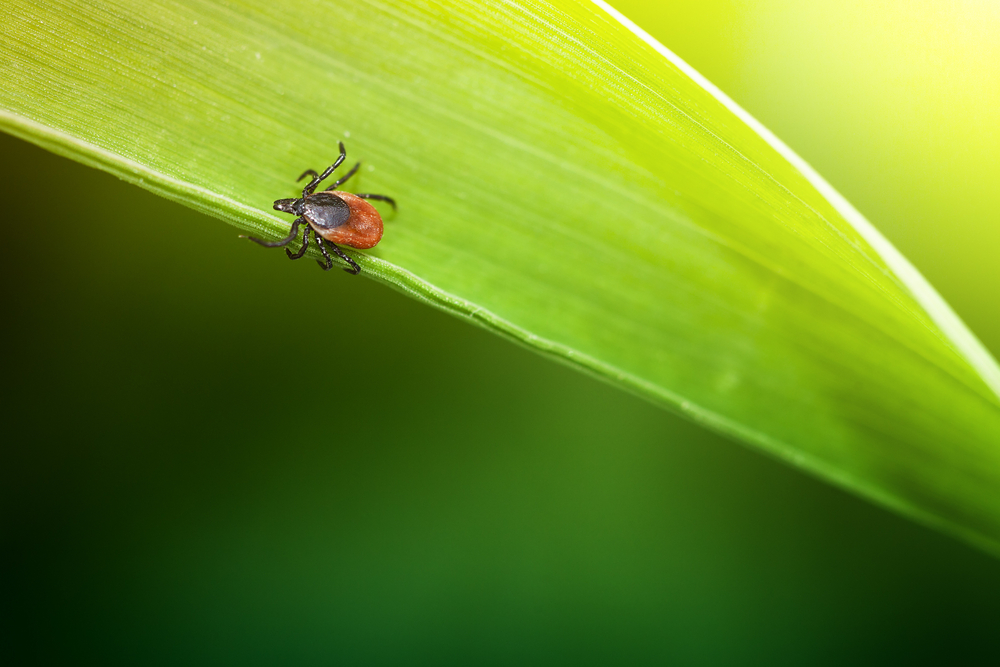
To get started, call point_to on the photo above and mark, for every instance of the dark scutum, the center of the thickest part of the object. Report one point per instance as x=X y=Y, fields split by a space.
x=326 y=210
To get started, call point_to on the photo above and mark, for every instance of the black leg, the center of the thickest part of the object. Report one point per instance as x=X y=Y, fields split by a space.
x=391 y=201
x=302 y=250
x=328 y=264
x=307 y=172
x=317 y=179
x=343 y=256
x=342 y=180
x=308 y=190
x=285 y=241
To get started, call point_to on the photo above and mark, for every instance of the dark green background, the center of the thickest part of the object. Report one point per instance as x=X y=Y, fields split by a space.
x=214 y=456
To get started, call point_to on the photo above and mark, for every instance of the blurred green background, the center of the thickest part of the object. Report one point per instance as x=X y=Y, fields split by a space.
x=215 y=456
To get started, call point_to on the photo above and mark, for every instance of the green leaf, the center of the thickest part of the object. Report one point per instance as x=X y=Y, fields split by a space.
x=564 y=181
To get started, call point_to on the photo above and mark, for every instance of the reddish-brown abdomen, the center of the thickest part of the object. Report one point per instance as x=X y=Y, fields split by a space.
x=362 y=230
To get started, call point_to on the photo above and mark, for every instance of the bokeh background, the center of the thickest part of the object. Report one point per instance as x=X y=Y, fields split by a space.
x=199 y=467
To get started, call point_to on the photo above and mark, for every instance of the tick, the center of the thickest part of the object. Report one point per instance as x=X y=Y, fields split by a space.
x=332 y=216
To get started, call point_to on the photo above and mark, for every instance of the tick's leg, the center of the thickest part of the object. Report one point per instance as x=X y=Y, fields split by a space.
x=391 y=201
x=308 y=172
x=343 y=179
x=313 y=182
x=316 y=180
x=275 y=244
x=328 y=264
x=302 y=250
x=343 y=256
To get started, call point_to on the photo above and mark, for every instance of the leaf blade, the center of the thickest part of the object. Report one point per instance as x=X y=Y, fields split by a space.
x=565 y=183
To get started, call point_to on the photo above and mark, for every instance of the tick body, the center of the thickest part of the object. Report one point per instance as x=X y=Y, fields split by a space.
x=333 y=217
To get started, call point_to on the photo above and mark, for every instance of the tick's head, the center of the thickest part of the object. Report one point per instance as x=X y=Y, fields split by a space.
x=293 y=206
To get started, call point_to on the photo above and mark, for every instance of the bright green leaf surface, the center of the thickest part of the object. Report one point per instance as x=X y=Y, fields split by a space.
x=564 y=181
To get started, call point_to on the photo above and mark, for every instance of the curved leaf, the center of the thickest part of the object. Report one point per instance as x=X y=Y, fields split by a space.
x=563 y=180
